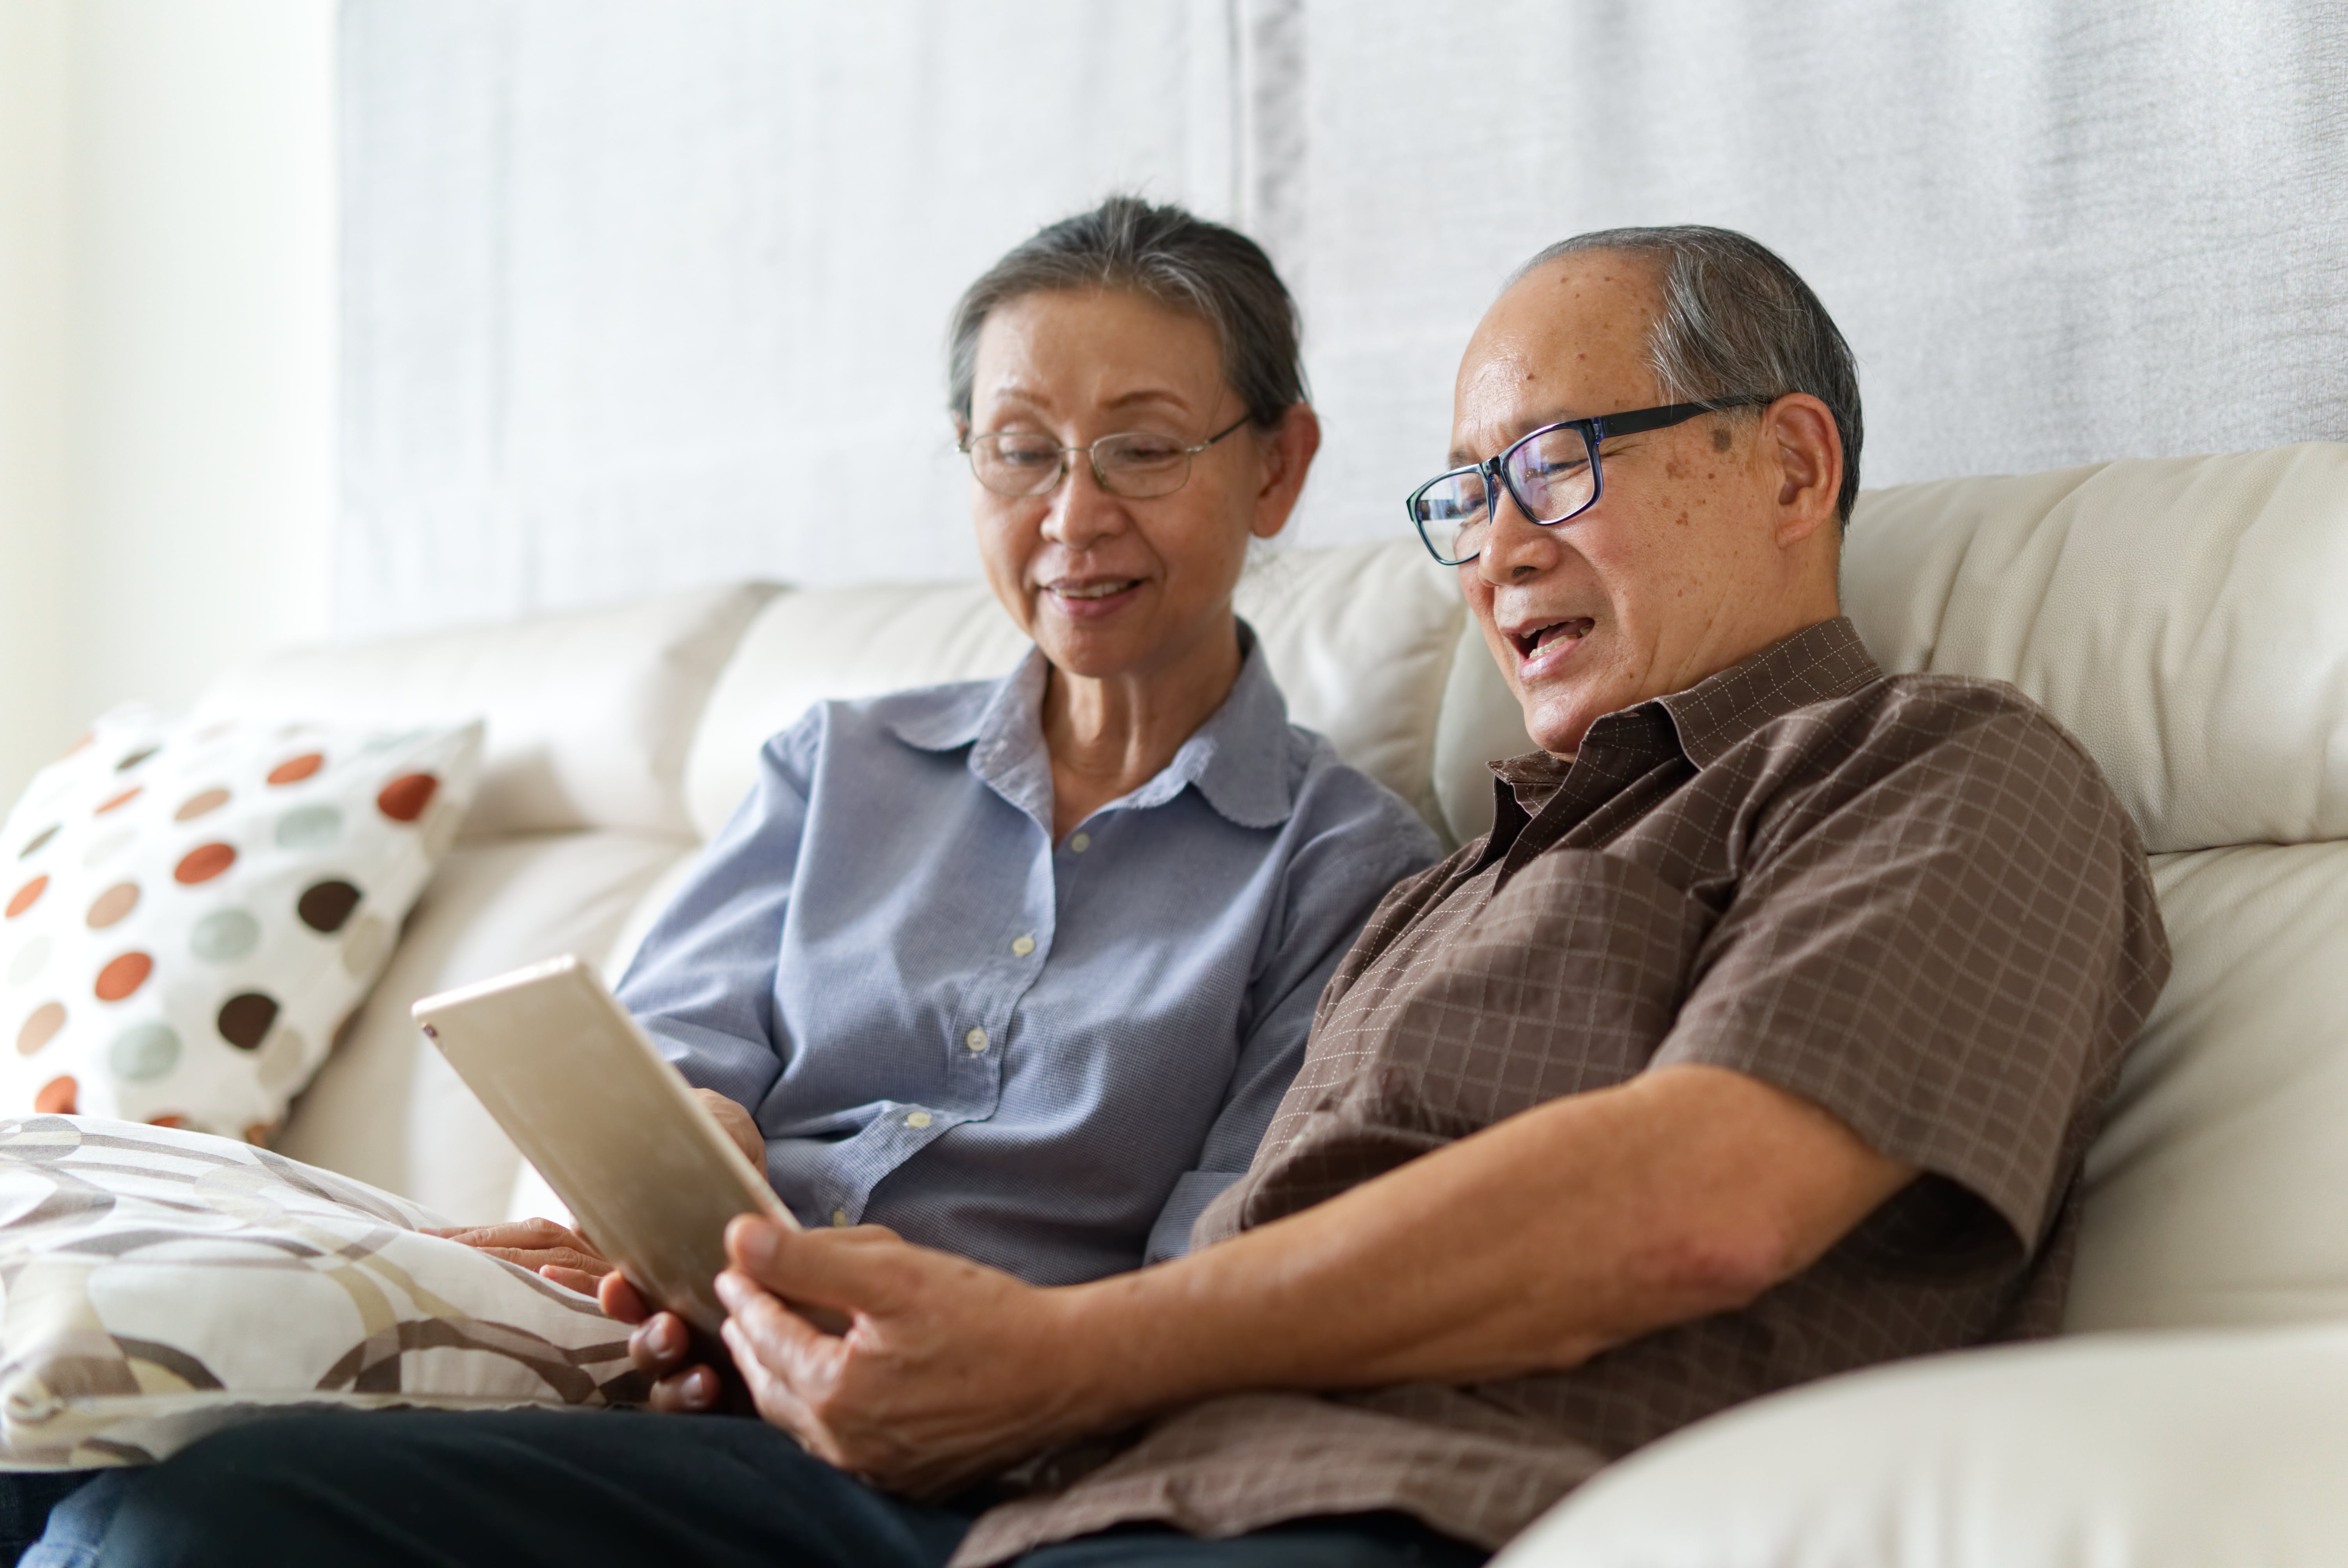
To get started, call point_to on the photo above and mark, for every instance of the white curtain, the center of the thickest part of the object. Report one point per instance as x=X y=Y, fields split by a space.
x=640 y=293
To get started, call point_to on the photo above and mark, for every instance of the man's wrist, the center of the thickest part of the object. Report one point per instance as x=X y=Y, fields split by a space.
x=1131 y=1347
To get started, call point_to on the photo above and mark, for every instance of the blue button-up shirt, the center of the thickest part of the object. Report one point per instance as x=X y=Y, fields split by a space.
x=1044 y=1056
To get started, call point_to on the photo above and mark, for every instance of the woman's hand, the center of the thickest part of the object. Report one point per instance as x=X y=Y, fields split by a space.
x=738 y=1126
x=545 y=1248
x=664 y=1348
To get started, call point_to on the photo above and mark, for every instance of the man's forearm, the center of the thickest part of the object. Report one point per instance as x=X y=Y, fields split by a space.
x=1529 y=1246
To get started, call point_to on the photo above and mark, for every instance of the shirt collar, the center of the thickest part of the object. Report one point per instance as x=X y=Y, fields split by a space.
x=1238 y=759
x=1816 y=665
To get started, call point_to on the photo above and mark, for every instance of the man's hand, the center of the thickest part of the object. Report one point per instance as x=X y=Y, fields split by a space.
x=947 y=1370
x=558 y=1254
x=738 y=1126
x=690 y=1374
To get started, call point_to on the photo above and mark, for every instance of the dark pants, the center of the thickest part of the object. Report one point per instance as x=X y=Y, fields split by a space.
x=569 y=1488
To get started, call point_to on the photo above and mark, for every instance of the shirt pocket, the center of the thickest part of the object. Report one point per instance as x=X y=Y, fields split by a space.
x=1566 y=980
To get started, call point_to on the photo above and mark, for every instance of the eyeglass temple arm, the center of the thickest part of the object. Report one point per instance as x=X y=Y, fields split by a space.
x=1673 y=414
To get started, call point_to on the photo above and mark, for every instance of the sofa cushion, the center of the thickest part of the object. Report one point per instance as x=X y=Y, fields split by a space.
x=161 y=1284
x=2217 y=1449
x=387 y=1109
x=590 y=713
x=2215 y=1194
x=1361 y=639
x=2180 y=616
x=191 y=911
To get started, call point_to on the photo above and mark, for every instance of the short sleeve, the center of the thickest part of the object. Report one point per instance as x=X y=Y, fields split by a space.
x=1947 y=949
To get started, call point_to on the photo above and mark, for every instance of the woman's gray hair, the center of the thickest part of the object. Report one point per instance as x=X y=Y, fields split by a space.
x=1169 y=257
x=1736 y=321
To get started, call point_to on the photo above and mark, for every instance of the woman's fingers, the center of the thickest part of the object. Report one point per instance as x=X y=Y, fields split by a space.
x=562 y=1257
x=521 y=1234
x=692 y=1392
x=620 y=1301
x=738 y=1124
x=580 y=1280
x=535 y=1244
x=660 y=1345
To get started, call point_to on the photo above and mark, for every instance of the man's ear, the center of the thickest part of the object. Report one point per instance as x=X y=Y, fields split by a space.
x=1798 y=435
x=1288 y=451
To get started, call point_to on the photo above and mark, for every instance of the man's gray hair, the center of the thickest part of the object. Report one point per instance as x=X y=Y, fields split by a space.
x=1736 y=321
x=1166 y=255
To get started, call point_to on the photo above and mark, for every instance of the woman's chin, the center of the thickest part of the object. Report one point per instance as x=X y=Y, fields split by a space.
x=1095 y=637
x=1088 y=658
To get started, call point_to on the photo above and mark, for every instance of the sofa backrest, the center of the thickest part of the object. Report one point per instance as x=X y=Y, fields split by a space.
x=2185 y=619
x=2183 y=616
x=1370 y=643
x=590 y=713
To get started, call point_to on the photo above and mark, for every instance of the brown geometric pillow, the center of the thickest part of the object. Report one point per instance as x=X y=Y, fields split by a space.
x=155 y=1284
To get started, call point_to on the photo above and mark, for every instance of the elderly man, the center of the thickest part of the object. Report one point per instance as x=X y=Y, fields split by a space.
x=1761 y=1040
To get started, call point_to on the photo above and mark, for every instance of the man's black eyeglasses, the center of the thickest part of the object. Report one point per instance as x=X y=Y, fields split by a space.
x=1552 y=474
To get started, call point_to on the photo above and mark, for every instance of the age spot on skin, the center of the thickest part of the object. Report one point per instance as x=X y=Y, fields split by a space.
x=1721 y=440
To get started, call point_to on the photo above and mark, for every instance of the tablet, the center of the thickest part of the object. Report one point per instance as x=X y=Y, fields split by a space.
x=649 y=1175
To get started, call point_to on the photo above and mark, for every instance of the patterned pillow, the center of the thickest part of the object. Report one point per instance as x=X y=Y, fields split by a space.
x=187 y=915
x=155 y=1286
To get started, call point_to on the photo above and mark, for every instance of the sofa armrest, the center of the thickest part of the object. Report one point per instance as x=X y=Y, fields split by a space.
x=2202 y=1450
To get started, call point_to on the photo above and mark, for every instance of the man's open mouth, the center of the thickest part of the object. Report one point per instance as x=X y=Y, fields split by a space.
x=1570 y=630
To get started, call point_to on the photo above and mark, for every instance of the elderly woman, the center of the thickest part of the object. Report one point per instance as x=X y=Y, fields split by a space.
x=1019 y=969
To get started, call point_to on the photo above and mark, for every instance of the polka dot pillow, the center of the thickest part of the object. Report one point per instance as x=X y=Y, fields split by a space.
x=188 y=914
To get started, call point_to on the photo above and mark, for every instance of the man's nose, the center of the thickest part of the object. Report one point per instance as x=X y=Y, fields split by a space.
x=1514 y=548
x=1081 y=513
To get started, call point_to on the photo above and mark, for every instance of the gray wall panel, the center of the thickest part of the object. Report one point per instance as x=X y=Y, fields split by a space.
x=621 y=276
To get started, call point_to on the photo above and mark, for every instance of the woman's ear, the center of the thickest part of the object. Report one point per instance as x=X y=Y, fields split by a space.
x=1288 y=450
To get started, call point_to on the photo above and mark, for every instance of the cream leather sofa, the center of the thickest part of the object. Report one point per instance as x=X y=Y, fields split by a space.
x=2187 y=619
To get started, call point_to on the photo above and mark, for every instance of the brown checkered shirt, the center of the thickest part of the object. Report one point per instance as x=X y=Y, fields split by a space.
x=1911 y=898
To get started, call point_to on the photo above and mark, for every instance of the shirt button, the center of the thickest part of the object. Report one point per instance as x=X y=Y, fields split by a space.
x=1081 y=843
x=839 y=1218
x=918 y=1119
x=976 y=1039
x=1022 y=945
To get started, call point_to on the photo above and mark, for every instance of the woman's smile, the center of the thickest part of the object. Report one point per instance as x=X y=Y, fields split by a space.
x=1090 y=599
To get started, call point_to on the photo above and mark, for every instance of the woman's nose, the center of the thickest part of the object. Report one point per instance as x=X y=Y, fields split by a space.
x=1081 y=511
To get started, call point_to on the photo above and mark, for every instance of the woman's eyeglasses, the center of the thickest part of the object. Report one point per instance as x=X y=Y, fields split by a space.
x=1136 y=464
